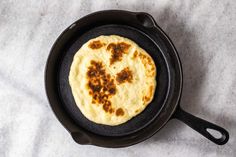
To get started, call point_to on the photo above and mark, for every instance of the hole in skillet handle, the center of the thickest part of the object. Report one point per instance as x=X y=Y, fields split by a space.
x=214 y=133
x=203 y=127
x=145 y=19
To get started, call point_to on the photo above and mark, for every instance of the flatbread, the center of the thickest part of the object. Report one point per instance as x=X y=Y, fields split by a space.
x=112 y=79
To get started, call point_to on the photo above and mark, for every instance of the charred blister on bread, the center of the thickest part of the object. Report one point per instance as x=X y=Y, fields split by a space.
x=101 y=86
x=97 y=44
x=117 y=50
x=125 y=75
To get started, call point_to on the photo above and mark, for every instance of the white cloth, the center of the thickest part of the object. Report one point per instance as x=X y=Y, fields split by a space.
x=204 y=33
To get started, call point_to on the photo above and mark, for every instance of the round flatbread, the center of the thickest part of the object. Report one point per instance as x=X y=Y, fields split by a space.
x=112 y=79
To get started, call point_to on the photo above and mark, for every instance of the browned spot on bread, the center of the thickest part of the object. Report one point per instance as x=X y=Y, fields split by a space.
x=142 y=56
x=151 y=88
x=146 y=98
x=111 y=110
x=101 y=86
x=151 y=74
x=148 y=64
x=124 y=75
x=120 y=112
x=136 y=111
x=96 y=44
x=135 y=54
x=117 y=50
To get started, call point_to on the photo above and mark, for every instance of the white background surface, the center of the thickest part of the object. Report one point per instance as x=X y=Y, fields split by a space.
x=204 y=33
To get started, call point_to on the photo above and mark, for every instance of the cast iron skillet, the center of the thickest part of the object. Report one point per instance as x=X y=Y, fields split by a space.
x=141 y=28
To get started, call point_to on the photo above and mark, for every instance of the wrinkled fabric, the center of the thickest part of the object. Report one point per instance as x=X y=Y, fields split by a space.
x=204 y=33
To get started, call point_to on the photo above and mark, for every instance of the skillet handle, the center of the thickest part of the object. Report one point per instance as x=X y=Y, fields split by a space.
x=145 y=19
x=202 y=126
x=80 y=138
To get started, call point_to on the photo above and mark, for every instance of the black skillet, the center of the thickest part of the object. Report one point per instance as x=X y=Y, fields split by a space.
x=141 y=28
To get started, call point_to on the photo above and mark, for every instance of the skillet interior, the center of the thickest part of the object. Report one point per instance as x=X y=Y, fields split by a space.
x=144 y=41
